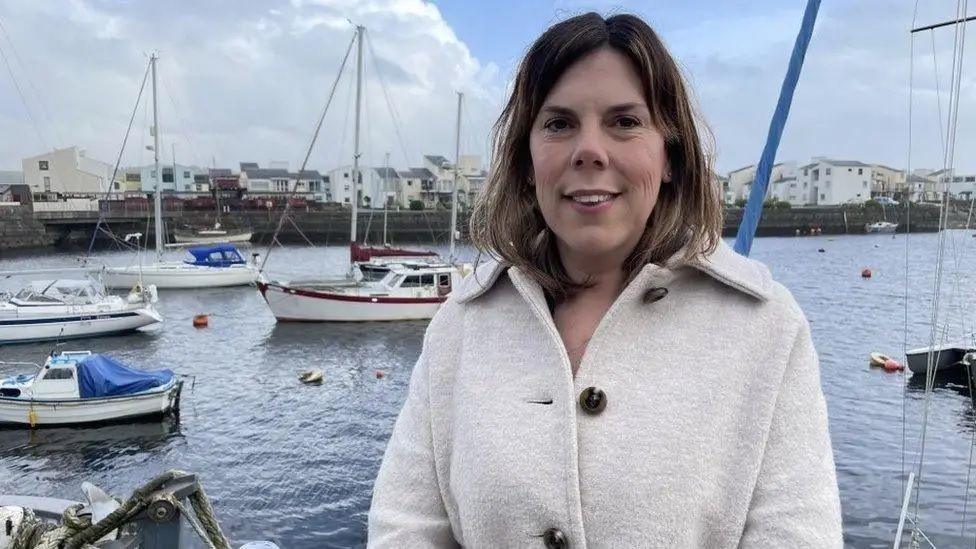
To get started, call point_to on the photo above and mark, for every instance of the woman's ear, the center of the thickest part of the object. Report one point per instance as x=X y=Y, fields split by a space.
x=666 y=176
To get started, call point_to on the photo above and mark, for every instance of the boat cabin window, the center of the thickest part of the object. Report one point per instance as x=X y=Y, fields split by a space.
x=412 y=281
x=216 y=256
x=444 y=280
x=59 y=373
x=427 y=280
x=395 y=280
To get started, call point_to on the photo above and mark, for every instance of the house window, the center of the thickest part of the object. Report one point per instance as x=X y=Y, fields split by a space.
x=186 y=187
x=410 y=183
x=823 y=197
x=827 y=171
x=186 y=175
x=42 y=165
x=47 y=183
x=970 y=179
x=816 y=175
x=345 y=174
x=860 y=171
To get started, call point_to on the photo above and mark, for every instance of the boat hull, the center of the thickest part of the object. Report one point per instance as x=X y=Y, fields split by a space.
x=27 y=328
x=182 y=238
x=50 y=413
x=290 y=304
x=176 y=275
x=947 y=358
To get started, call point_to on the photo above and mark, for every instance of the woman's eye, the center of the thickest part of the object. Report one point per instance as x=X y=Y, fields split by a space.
x=556 y=124
x=628 y=122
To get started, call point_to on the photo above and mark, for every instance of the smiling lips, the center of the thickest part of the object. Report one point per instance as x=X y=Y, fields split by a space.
x=591 y=200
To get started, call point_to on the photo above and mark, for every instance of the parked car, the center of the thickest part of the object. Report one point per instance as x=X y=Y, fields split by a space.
x=886 y=201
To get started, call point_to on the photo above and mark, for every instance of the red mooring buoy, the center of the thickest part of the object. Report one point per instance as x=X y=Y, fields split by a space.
x=892 y=365
x=201 y=321
x=380 y=374
x=865 y=273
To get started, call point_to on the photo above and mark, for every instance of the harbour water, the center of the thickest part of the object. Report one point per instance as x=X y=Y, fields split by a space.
x=295 y=464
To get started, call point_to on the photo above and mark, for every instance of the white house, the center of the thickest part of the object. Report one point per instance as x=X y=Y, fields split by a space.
x=176 y=178
x=69 y=173
x=279 y=181
x=959 y=185
x=831 y=182
x=782 y=184
x=414 y=183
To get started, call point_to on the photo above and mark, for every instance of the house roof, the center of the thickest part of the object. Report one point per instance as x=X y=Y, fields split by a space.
x=436 y=160
x=307 y=174
x=847 y=163
x=387 y=173
x=249 y=166
x=417 y=173
x=265 y=173
x=220 y=172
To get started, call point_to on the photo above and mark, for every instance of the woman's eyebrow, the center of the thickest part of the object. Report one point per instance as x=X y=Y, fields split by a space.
x=558 y=109
x=627 y=107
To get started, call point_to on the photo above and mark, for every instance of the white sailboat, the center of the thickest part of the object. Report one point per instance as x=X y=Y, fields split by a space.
x=406 y=292
x=173 y=274
x=71 y=308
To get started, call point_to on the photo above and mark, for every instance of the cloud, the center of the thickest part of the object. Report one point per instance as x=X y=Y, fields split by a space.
x=242 y=81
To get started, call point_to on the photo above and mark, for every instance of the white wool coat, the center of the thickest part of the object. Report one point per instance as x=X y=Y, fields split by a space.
x=712 y=429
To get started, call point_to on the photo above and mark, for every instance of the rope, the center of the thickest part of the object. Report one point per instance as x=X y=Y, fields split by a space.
x=77 y=532
x=953 y=116
x=308 y=153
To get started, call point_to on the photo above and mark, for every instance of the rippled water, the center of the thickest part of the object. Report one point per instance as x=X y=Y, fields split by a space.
x=295 y=464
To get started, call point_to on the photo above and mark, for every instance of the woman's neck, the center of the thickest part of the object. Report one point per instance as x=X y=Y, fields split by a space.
x=604 y=275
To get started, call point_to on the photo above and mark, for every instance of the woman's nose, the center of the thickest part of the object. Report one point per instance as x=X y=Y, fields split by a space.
x=590 y=151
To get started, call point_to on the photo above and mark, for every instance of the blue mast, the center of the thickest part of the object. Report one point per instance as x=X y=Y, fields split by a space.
x=750 y=218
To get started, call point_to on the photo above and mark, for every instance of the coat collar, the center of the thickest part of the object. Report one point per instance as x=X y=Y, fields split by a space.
x=724 y=265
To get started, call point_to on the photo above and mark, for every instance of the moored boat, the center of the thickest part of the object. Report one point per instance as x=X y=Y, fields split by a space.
x=72 y=308
x=80 y=387
x=204 y=267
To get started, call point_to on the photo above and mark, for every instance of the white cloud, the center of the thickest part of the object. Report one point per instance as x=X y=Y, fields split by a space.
x=244 y=86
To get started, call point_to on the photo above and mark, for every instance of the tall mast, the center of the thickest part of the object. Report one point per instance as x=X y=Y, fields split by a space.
x=158 y=205
x=457 y=160
x=215 y=190
x=355 y=159
x=386 y=194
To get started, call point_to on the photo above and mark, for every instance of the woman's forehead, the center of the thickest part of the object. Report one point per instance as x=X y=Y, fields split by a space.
x=603 y=77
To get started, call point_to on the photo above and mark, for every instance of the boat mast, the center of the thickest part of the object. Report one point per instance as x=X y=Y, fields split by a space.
x=216 y=191
x=386 y=198
x=355 y=159
x=158 y=203
x=457 y=160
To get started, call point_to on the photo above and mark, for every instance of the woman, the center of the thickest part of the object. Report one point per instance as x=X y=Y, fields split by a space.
x=618 y=377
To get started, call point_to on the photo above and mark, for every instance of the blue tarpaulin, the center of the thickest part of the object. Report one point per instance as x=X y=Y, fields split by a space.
x=219 y=255
x=102 y=376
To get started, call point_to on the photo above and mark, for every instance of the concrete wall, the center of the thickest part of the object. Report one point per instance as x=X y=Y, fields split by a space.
x=19 y=229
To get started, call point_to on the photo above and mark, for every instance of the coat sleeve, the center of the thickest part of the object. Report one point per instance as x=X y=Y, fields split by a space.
x=795 y=502
x=407 y=508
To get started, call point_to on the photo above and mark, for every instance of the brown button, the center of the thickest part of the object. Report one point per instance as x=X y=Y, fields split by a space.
x=592 y=400
x=554 y=539
x=655 y=294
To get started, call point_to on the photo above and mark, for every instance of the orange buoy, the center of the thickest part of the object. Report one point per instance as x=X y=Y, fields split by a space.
x=201 y=321
x=380 y=374
x=865 y=273
x=892 y=365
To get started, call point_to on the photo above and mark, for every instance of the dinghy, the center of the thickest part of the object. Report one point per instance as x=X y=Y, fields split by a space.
x=80 y=387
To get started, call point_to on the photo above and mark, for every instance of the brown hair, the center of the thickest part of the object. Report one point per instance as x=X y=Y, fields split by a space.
x=506 y=221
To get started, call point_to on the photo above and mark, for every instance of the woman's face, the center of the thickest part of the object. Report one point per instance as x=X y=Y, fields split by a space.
x=598 y=161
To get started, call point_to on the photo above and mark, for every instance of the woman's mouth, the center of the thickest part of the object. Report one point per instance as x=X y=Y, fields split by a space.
x=591 y=201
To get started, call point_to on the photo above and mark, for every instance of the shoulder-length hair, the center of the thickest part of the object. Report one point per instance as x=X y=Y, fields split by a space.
x=506 y=221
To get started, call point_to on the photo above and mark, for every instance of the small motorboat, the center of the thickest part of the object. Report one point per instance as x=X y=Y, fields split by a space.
x=69 y=308
x=79 y=387
x=880 y=227
x=946 y=358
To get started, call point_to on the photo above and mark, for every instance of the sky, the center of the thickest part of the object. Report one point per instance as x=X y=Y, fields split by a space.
x=246 y=80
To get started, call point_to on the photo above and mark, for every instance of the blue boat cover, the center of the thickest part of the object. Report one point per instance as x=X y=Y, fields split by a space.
x=103 y=376
x=218 y=255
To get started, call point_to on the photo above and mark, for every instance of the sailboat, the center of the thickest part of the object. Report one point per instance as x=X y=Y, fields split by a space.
x=211 y=235
x=405 y=292
x=190 y=273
